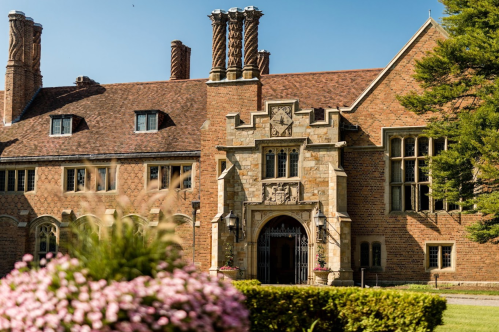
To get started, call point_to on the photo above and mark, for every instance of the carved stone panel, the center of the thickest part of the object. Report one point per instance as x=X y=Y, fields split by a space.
x=280 y=121
x=280 y=193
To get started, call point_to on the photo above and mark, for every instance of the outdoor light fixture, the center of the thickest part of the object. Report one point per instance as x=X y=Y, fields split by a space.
x=320 y=222
x=232 y=222
x=195 y=207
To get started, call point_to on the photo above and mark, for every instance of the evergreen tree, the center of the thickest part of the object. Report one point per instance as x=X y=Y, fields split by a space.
x=460 y=84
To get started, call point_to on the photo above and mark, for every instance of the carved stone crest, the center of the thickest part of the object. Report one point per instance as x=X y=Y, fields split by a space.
x=280 y=121
x=280 y=193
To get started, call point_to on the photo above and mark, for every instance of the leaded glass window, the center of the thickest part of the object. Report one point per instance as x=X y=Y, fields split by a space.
x=446 y=256
x=101 y=179
x=165 y=176
x=409 y=144
x=21 y=178
x=364 y=254
x=376 y=251
x=269 y=164
x=31 y=180
x=409 y=170
x=80 y=179
x=281 y=164
x=11 y=180
x=47 y=240
x=76 y=179
x=423 y=146
x=433 y=256
x=70 y=180
x=396 y=147
x=285 y=165
x=2 y=180
x=187 y=179
x=293 y=163
x=439 y=256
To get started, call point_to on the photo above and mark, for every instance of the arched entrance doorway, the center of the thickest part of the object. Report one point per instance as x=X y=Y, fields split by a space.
x=283 y=252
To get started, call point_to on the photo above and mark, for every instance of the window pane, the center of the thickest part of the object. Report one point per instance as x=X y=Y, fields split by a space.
x=446 y=256
x=377 y=254
x=396 y=199
x=66 y=126
x=187 y=181
x=11 y=181
x=439 y=204
x=433 y=256
x=56 y=126
x=101 y=179
x=2 y=180
x=409 y=147
x=423 y=176
x=52 y=243
x=176 y=176
x=319 y=114
x=269 y=164
x=223 y=166
x=424 y=200
x=281 y=164
x=80 y=179
x=165 y=177
x=396 y=171
x=141 y=122
x=31 y=180
x=21 y=177
x=396 y=147
x=409 y=170
x=153 y=177
x=293 y=163
x=423 y=144
x=453 y=207
x=43 y=243
x=151 y=122
x=364 y=254
x=439 y=146
x=410 y=198
x=112 y=178
x=70 y=184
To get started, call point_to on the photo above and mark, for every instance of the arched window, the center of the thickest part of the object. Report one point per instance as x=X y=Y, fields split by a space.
x=293 y=163
x=269 y=164
x=281 y=164
x=47 y=240
x=410 y=145
x=396 y=148
x=376 y=254
x=364 y=254
x=423 y=146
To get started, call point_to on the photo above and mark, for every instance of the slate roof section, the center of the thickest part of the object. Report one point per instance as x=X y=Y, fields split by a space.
x=108 y=120
x=108 y=113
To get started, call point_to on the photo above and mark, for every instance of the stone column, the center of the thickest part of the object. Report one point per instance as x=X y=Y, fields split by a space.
x=29 y=84
x=219 y=22
x=236 y=17
x=252 y=15
x=14 y=76
x=176 y=61
x=263 y=62
x=37 y=54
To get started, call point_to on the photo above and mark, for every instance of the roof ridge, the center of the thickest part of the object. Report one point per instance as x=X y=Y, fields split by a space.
x=325 y=72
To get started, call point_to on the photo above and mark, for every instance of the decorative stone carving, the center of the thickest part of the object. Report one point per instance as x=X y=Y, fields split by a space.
x=219 y=23
x=252 y=15
x=236 y=17
x=280 y=121
x=280 y=193
x=16 y=40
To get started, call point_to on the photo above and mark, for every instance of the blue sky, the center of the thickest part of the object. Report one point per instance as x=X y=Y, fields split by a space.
x=115 y=41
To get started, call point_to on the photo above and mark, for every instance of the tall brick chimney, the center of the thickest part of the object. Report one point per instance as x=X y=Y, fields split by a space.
x=252 y=19
x=180 y=61
x=219 y=23
x=37 y=54
x=29 y=84
x=263 y=62
x=235 y=66
x=15 y=73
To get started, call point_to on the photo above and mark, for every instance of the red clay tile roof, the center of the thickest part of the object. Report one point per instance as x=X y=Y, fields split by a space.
x=108 y=113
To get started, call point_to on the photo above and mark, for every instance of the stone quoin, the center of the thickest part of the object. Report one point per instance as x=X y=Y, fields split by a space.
x=275 y=149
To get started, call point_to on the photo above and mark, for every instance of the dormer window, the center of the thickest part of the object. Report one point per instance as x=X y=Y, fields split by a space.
x=61 y=125
x=146 y=121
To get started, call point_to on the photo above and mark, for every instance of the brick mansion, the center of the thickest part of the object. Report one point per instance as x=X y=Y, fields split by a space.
x=295 y=162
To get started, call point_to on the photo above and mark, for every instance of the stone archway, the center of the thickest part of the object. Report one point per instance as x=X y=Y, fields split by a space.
x=282 y=252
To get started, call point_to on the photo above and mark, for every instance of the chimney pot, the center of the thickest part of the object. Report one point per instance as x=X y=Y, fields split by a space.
x=263 y=62
x=180 y=61
x=16 y=12
x=85 y=81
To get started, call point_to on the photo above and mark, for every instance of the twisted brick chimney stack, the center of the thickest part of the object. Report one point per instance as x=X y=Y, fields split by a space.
x=181 y=61
x=218 y=19
x=22 y=77
x=235 y=67
x=263 y=62
x=252 y=20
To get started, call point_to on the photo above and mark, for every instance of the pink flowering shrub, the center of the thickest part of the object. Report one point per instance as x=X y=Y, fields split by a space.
x=63 y=297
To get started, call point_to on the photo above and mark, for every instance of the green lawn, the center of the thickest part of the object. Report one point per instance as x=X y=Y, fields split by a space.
x=460 y=318
x=452 y=291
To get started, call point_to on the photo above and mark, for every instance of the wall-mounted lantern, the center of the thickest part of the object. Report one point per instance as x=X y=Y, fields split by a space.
x=232 y=222
x=320 y=223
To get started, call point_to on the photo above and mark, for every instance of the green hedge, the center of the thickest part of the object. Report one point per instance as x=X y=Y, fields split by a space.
x=285 y=308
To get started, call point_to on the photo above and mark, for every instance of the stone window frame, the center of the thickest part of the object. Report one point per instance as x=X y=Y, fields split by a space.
x=61 y=117
x=147 y=114
x=180 y=163
x=16 y=171
x=221 y=166
x=370 y=240
x=276 y=149
x=440 y=244
x=107 y=183
x=37 y=241
x=410 y=132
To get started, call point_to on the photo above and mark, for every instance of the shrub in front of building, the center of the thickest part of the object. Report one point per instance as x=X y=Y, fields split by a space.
x=340 y=309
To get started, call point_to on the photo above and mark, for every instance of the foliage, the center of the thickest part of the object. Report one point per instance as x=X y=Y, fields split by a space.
x=464 y=318
x=460 y=83
x=118 y=253
x=320 y=257
x=249 y=282
x=63 y=297
x=229 y=258
x=340 y=309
